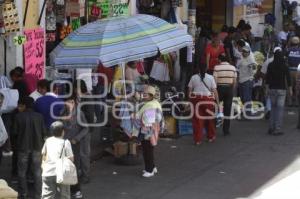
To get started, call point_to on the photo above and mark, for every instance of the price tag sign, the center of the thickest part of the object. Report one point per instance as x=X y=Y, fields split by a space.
x=99 y=8
x=120 y=9
x=19 y=40
x=75 y=23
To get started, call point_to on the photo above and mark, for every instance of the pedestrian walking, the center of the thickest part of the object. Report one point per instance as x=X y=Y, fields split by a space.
x=148 y=124
x=51 y=152
x=277 y=76
x=75 y=131
x=225 y=76
x=293 y=62
x=42 y=89
x=229 y=45
x=49 y=105
x=204 y=95
x=30 y=132
x=212 y=52
x=246 y=67
x=83 y=96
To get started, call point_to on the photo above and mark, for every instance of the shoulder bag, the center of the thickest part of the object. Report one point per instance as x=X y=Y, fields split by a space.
x=66 y=173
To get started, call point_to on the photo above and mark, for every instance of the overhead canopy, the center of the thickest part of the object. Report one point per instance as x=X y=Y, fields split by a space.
x=117 y=40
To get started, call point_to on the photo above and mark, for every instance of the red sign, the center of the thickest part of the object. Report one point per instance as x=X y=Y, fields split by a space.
x=34 y=52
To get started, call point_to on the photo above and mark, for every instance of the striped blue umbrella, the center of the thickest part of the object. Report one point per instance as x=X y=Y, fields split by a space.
x=118 y=40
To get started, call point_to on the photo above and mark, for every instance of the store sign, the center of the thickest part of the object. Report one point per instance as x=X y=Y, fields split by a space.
x=75 y=24
x=19 y=40
x=99 y=8
x=34 y=52
x=120 y=9
x=245 y=2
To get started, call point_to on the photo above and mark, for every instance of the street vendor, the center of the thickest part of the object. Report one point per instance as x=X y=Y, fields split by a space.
x=148 y=123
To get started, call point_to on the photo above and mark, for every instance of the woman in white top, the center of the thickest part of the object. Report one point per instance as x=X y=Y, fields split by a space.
x=203 y=95
x=51 y=152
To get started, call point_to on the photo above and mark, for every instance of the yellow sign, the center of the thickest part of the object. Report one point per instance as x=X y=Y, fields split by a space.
x=19 y=40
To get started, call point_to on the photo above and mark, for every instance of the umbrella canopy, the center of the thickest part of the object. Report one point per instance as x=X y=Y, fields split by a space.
x=118 y=40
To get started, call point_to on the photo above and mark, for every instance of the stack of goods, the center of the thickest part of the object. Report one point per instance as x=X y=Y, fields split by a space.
x=10 y=17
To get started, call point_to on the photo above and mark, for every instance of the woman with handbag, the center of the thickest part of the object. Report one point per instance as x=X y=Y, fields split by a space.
x=148 y=123
x=52 y=150
x=204 y=97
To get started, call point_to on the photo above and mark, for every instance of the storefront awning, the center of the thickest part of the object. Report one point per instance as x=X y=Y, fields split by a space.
x=245 y=2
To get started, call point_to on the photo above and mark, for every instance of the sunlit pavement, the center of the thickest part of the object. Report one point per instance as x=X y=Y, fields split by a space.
x=249 y=164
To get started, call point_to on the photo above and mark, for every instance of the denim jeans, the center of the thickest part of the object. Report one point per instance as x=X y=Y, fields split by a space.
x=52 y=190
x=246 y=94
x=36 y=160
x=85 y=152
x=99 y=90
x=277 y=100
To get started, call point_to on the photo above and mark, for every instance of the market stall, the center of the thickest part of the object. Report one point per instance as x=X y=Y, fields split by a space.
x=116 y=41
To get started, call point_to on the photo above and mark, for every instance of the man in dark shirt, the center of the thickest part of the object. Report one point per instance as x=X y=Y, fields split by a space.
x=228 y=45
x=89 y=112
x=30 y=132
x=48 y=104
x=293 y=62
x=277 y=79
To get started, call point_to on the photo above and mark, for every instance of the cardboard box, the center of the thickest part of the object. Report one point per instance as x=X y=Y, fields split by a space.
x=132 y=148
x=120 y=149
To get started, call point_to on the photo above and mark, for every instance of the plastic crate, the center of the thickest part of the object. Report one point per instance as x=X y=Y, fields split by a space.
x=185 y=127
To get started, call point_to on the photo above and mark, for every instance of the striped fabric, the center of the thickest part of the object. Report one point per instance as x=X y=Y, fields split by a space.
x=225 y=74
x=116 y=40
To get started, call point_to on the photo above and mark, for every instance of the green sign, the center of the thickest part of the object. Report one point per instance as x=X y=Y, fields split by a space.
x=75 y=23
x=120 y=9
x=103 y=5
x=19 y=40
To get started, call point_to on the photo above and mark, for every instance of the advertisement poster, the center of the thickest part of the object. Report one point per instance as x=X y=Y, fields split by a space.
x=34 y=52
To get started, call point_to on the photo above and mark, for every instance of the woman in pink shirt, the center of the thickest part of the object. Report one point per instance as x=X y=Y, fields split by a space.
x=212 y=52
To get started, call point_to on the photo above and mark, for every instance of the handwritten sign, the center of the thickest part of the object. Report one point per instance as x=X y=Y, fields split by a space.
x=120 y=9
x=19 y=40
x=99 y=8
x=34 y=52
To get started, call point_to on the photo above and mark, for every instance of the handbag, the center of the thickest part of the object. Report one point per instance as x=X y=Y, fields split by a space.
x=3 y=133
x=66 y=173
x=212 y=94
x=10 y=101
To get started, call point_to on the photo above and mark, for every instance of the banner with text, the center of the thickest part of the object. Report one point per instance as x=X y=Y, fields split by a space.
x=34 y=52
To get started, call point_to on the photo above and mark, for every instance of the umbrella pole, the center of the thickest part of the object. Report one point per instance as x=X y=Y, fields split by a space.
x=124 y=81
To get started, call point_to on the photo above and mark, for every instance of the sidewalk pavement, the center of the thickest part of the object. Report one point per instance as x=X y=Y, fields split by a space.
x=249 y=164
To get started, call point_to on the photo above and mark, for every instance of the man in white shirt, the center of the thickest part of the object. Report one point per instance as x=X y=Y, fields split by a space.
x=41 y=90
x=246 y=67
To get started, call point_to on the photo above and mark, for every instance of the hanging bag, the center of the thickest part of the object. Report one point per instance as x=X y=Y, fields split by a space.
x=66 y=173
x=10 y=101
x=3 y=133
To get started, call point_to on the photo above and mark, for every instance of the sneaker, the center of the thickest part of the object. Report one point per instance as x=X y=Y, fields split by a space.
x=78 y=195
x=148 y=175
x=7 y=153
x=155 y=171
